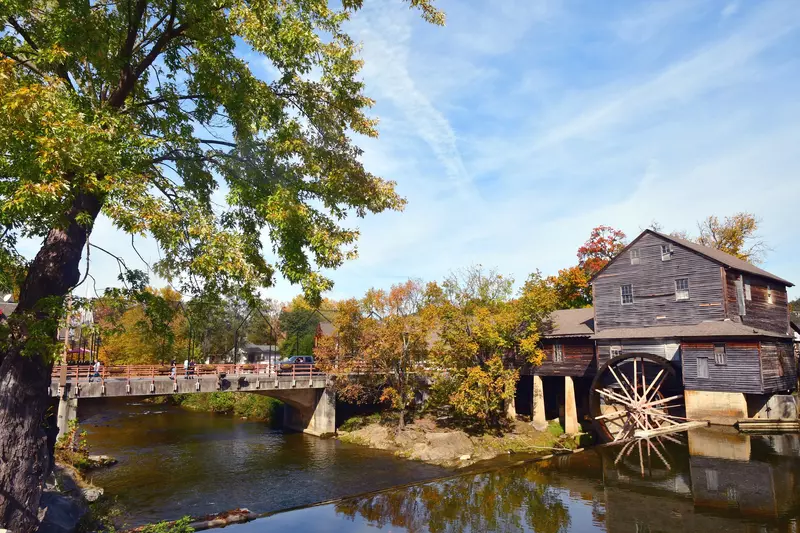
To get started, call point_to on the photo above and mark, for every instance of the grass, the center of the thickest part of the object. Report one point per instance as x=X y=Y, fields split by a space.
x=251 y=406
x=358 y=422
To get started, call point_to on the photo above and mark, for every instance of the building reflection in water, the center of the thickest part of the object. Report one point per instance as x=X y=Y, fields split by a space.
x=708 y=481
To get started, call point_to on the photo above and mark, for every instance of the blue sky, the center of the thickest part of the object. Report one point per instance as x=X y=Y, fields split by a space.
x=522 y=124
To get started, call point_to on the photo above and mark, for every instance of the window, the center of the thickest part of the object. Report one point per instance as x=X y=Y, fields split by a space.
x=627 y=294
x=558 y=354
x=682 y=289
x=702 y=367
x=635 y=256
x=712 y=480
x=769 y=295
x=615 y=351
x=740 y=296
x=748 y=295
x=666 y=252
x=719 y=355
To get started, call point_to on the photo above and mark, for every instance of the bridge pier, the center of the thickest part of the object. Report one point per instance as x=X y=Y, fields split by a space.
x=67 y=411
x=311 y=411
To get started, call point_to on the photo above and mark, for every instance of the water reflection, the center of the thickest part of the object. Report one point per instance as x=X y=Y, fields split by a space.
x=708 y=481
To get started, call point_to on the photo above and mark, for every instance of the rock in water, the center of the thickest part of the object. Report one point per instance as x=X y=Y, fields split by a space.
x=91 y=494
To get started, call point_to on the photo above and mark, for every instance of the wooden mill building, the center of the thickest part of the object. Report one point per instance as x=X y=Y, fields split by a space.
x=722 y=322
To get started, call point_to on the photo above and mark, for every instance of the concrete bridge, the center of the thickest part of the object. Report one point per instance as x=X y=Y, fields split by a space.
x=310 y=406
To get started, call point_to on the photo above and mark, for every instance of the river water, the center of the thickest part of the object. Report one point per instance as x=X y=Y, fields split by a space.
x=176 y=463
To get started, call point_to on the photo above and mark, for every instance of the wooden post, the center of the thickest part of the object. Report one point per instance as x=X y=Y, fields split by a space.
x=537 y=409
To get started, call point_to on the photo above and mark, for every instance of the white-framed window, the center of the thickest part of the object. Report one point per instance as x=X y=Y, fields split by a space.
x=720 y=357
x=769 y=295
x=558 y=353
x=682 y=289
x=748 y=294
x=615 y=351
x=635 y=257
x=626 y=294
x=666 y=252
x=702 y=367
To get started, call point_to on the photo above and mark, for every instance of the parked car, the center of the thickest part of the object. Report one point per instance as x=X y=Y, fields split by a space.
x=288 y=364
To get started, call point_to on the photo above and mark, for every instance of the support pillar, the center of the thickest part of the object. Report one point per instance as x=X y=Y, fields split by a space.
x=571 y=425
x=537 y=408
x=311 y=411
x=67 y=411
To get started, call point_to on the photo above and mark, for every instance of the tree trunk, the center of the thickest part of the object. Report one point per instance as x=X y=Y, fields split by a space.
x=24 y=379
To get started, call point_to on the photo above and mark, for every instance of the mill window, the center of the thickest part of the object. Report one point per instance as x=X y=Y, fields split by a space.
x=682 y=289
x=635 y=256
x=626 y=292
x=558 y=354
x=666 y=252
x=720 y=357
x=748 y=295
x=702 y=367
x=769 y=295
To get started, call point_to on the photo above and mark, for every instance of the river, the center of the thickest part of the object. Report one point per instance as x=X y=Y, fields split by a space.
x=174 y=463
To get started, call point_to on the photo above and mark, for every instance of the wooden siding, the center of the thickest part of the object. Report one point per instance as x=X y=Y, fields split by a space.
x=578 y=360
x=741 y=373
x=667 y=348
x=778 y=366
x=653 y=283
x=759 y=313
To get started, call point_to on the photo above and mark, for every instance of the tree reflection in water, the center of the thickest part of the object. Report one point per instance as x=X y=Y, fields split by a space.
x=502 y=501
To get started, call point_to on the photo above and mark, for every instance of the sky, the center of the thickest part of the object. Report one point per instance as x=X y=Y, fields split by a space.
x=522 y=124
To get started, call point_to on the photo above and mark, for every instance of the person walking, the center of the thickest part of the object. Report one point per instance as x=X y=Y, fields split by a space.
x=96 y=373
x=186 y=368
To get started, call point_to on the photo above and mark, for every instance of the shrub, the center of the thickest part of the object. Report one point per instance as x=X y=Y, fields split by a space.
x=72 y=449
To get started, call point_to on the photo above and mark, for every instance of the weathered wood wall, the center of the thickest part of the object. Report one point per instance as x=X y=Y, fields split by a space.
x=759 y=313
x=653 y=282
x=778 y=366
x=579 y=359
x=669 y=349
x=741 y=373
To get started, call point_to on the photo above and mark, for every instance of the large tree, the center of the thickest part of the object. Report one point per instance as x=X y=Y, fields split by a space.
x=379 y=345
x=485 y=336
x=148 y=112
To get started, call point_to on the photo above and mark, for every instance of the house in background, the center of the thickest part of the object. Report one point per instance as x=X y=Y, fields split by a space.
x=253 y=353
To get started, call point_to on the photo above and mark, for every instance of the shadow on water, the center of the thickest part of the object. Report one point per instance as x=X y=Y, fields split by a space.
x=709 y=481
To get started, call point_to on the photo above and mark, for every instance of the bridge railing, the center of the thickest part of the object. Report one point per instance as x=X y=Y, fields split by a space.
x=87 y=373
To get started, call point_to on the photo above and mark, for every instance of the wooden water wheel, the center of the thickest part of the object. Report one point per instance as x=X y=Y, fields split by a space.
x=635 y=394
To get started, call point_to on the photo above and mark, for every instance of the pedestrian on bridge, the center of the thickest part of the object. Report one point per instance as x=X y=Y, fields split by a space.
x=186 y=368
x=96 y=370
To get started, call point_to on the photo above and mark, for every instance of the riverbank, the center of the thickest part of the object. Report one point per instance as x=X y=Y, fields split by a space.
x=248 y=406
x=423 y=440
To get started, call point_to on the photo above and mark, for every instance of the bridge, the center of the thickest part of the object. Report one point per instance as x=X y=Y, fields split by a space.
x=310 y=406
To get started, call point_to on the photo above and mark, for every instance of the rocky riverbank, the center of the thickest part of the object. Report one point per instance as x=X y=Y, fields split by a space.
x=425 y=441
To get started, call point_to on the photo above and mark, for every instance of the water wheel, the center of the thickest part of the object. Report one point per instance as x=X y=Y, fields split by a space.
x=635 y=393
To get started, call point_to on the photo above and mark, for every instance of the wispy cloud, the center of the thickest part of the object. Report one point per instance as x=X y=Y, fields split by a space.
x=521 y=125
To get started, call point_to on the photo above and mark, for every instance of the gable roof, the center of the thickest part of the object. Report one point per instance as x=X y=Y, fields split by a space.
x=571 y=323
x=717 y=256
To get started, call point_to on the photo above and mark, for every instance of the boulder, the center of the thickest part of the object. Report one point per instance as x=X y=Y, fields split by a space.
x=59 y=513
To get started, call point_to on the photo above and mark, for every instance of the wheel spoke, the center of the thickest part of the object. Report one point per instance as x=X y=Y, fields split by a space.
x=621 y=385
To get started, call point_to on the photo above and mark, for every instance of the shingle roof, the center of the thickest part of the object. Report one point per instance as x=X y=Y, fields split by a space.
x=720 y=328
x=572 y=323
x=722 y=257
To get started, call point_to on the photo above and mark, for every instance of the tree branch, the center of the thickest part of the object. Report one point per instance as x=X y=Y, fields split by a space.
x=24 y=34
x=165 y=99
